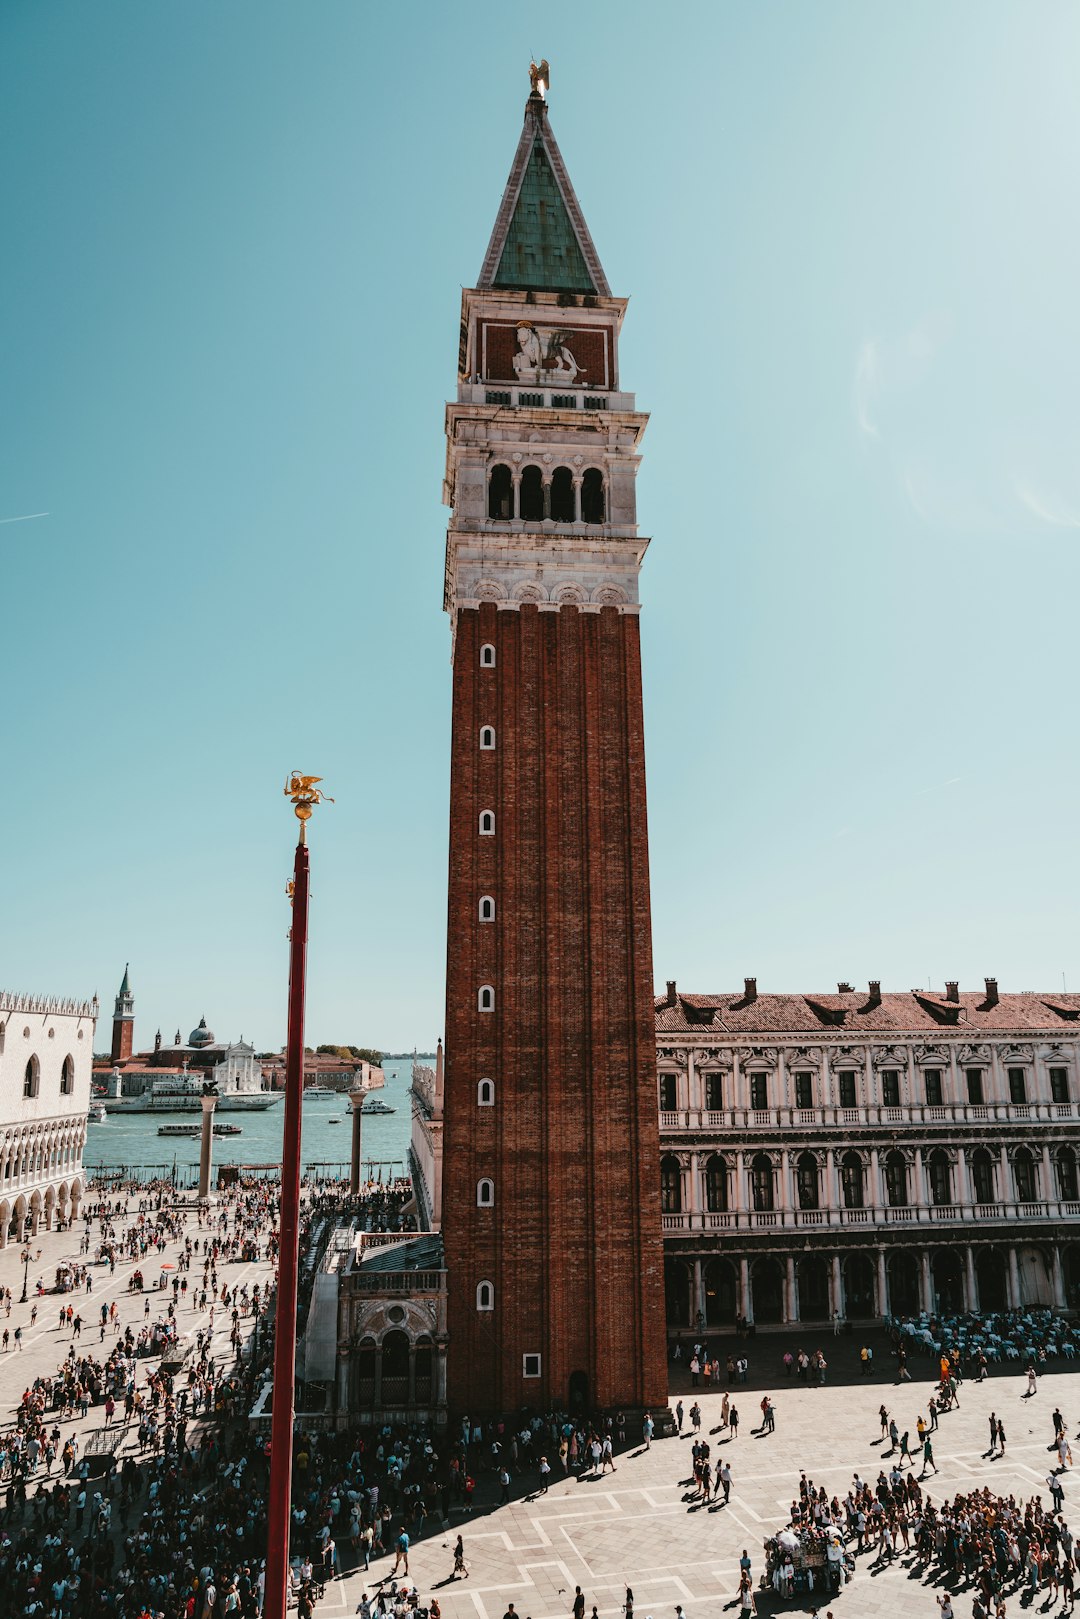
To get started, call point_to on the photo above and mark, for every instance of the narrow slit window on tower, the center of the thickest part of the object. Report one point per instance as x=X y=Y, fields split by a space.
x=530 y=1365
x=487 y=823
x=562 y=495
x=485 y=1093
x=485 y=1296
x=487 y=738
x=501 y=494
x=487 y=656
x=592 y=496
x=485 y=1194
x=485 y=1000
x=487 y=908
x=531 y=495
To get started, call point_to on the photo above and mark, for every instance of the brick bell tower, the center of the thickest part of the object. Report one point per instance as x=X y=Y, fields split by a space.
x=123 y=1027
x=551 y=1212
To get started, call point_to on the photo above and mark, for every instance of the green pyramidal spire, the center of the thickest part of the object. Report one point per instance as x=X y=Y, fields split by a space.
x=541 y=242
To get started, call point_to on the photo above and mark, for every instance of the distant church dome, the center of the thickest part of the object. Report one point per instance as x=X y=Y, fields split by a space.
x=202 y=1036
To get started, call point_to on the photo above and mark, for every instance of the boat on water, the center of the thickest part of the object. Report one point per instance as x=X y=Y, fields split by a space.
x=319 y=1093
x=333 y=1121
x=97 y=1113
x=194 y=1130
x=378 y=1106
x=182 y=1093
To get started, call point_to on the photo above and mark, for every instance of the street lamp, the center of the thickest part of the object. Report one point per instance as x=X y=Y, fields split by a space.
x=26 y=1271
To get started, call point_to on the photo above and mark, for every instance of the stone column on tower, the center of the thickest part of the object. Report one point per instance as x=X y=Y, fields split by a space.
x=551 y=1213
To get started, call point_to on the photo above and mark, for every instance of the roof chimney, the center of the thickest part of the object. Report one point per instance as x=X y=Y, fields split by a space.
x=952 y=989
x=844 y=988
x=672 y=997
x=991 y=992
x=875 y=992
x=749 y=989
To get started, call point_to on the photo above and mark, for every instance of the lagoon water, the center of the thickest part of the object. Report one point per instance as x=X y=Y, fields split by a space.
x=132 y=1140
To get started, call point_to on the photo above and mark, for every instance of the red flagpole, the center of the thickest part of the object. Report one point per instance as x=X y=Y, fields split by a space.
x=279 y=1507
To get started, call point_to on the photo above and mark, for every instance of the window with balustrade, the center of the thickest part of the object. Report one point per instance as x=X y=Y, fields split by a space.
x=670 y=1186
x=975 y=1096
x=714 y=1092
x=804 y=1090
x=940 y=1178
x=982 y=1176
x=668 y=1101
x=759 y=1092
x=1059 y=1085
x=1027 y=1187
x=761 y=1183
x=932 y=1087
x=806 y=1181
x=716 y=1184
x=501 y=494
x=1065 y=1173
x=851 y=1180
x=847 y=1089
x=890 y=1088
x=896 y=1180
x=1017 y=1086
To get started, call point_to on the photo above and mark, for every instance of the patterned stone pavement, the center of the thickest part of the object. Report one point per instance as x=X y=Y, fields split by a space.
x=635 y=1525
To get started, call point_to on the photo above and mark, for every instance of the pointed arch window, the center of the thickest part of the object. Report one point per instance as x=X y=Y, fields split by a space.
x=67 y=1077
x=940 y=1179
x=487 y=823
x=1027 y=1185
x=761 y=1183
x=485 y=999
x=487 y=738
x=487 y=656
x=487 y=908
x=485 y=1093
x=982 y=1176
x=31 y=1078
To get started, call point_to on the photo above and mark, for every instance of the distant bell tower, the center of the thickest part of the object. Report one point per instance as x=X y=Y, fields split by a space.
x=123 y=1027
x=551 y=1211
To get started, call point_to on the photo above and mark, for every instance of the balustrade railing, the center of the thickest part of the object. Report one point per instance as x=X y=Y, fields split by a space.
x=818 y=1118
x=882 y=1216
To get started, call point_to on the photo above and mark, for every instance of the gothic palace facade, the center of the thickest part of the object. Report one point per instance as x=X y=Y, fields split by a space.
x=867 y=1154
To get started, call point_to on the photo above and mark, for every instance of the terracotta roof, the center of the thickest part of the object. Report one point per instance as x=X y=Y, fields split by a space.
x=917 y=1011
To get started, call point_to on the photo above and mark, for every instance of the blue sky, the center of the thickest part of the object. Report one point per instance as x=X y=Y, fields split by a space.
x=234 y=238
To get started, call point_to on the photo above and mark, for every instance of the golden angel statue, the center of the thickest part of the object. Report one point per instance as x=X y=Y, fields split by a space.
x=540 y=78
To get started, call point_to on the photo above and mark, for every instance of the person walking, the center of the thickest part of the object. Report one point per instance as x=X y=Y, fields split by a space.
x=647 y=1430
x=928 y=1455
x=733 y=1422
x=1001 y=1436
x=679 y=1414
x=725 y=1481
x=459 y=1558
x=993 y=1436
x=579 y=1603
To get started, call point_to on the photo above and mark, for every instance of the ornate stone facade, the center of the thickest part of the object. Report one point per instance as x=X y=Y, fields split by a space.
x=881 y=1167
x=46 y=1054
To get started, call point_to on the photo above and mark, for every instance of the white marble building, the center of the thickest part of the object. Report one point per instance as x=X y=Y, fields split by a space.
x=46 y=1053
x=868 y=1154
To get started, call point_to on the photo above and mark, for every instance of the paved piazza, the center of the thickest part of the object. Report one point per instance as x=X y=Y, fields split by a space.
x=636 y=1526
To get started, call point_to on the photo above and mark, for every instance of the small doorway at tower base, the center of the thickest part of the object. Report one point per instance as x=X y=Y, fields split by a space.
x=577 y=1398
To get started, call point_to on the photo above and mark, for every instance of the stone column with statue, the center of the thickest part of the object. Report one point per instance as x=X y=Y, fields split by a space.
x=357 y=1097
x=206 y=1149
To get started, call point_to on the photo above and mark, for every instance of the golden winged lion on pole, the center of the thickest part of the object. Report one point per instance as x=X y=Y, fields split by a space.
x=304 y=793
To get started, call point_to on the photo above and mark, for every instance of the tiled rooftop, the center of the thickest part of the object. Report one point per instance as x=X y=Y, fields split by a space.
x=915 y=1011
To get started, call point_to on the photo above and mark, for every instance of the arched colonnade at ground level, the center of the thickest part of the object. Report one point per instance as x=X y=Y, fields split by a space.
x=809 y=1285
